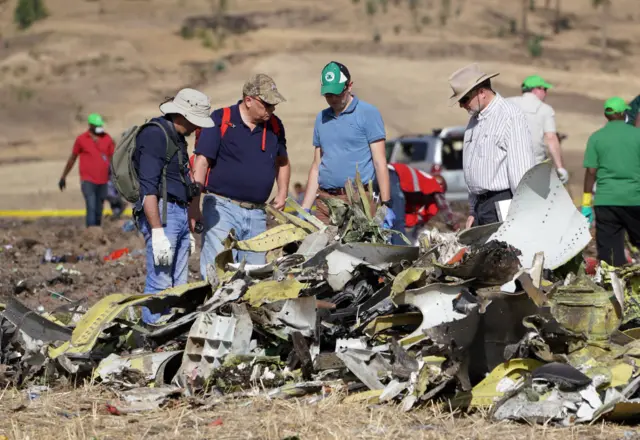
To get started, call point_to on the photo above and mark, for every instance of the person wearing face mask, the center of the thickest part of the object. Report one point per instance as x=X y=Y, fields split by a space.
x=348 y=135
x=167 y=238
x=95 y=149
x=498 y=147
x=236 y=164
x=542 y=122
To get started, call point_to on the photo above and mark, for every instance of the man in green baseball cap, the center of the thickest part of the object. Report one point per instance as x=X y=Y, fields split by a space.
x=95 y=148
x=542 y=123
x=612 y=160
x=349 y=135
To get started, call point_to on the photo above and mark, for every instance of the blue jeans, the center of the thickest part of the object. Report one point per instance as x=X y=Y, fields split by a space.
x=94 y=196
x=398 y=204
x=219 y=217
x=160 y=278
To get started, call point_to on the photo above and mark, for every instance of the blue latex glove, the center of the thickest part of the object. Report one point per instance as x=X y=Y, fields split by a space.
x=389 y=218
x=308 y=210
x=587 y=211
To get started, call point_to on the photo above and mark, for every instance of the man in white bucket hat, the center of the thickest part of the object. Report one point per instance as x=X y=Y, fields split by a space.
x=498 y=148
x=168 y=244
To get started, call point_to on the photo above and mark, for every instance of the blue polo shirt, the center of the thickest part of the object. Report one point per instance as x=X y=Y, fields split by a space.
x=241 y=170
x=345 y=142
x=148 y=160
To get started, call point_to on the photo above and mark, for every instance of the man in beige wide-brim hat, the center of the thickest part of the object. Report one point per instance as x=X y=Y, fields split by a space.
x=167 y=238
x=498 y=148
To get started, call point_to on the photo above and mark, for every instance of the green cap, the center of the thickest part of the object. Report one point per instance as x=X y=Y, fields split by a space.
x=95 y=119
x=335 y=77
x=615 y=105
x=534 y=81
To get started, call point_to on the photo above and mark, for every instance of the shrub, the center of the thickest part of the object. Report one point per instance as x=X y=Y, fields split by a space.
x=28 y=12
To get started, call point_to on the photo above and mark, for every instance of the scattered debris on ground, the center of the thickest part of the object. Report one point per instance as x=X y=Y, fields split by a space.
x=496 y=317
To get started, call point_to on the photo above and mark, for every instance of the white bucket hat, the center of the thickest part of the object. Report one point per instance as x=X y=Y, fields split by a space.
x=193 y=105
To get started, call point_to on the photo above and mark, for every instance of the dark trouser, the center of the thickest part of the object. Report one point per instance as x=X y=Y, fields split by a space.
x=398 y=204
x=114 y=199
x=611 y=224
x=485 y=210
x=94 y=196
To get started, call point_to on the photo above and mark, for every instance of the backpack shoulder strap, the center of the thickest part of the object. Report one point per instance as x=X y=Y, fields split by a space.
x=275 y=126
x=226 y=120
x=170 y=149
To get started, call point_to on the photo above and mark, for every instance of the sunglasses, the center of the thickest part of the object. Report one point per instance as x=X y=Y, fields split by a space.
x=469 y=96
x=264 y=104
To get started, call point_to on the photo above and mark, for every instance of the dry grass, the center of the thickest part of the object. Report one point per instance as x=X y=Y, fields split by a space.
x=81 y=414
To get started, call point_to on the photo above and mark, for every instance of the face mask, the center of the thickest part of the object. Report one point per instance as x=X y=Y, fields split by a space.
x=98 y=130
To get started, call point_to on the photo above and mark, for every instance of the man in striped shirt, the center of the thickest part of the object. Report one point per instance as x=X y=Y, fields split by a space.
x=498 y=148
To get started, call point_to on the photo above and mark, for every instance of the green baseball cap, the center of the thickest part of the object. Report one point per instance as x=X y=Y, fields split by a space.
x=95 y=120
x=615 y=105
x=535 y=81
x=335 y=77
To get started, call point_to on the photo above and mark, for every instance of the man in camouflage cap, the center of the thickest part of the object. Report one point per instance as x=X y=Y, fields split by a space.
x=236 y=163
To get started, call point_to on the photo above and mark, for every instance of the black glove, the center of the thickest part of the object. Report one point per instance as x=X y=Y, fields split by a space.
x=62 y=184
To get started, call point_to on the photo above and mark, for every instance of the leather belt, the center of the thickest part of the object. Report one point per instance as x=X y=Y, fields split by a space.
x=487 y=195
x=177 y=201
x=244 y=205
x=335 y=191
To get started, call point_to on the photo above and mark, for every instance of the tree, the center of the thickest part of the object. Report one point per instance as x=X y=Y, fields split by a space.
x=605 y=5
x=219 y=10
x=524 y=18
x=556 y=21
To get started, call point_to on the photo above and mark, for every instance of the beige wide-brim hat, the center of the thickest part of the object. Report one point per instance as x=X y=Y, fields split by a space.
x=193 y=105
x=465 y=79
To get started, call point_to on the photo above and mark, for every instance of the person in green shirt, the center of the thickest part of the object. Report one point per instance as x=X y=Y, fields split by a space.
x=612 y=160
x=633 y=112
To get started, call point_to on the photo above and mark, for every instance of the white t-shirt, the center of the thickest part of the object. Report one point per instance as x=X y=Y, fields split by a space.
x=541 y=119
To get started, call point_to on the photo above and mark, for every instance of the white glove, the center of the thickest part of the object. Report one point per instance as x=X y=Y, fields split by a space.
x=192 y=243
x=162 y=252
x=563 y=175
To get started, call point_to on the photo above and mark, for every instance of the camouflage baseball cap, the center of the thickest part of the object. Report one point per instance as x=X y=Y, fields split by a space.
x=263 y=87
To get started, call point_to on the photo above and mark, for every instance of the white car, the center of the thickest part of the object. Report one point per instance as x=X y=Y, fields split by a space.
x=438 y=153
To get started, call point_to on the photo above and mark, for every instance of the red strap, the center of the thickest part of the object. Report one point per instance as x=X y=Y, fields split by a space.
x=274 y=125
x=226 y=120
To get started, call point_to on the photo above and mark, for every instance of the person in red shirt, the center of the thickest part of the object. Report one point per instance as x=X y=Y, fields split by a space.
x=418 y=197
x=95 y=149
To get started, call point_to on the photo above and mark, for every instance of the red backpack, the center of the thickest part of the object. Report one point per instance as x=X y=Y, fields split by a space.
x=226 y=122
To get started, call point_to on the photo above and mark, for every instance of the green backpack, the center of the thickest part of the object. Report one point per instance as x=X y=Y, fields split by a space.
x=125 y=178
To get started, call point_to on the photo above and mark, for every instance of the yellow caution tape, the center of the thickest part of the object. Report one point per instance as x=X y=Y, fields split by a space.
x=54 y=213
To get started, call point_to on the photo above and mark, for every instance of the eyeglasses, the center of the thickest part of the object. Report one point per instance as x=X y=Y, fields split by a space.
x=265 y=104
x=469 y=96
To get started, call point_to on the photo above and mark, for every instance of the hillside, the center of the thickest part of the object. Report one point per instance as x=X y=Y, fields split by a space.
x=122 y=57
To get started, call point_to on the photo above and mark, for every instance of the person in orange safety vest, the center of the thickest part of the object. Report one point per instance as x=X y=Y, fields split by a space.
x=417 y=197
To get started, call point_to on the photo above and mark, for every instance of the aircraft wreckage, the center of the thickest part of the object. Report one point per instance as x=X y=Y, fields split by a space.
x=501 y=316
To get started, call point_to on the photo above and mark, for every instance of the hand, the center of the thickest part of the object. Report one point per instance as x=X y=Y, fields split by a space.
x=455 y=227
x=195 y=216
x=470 y=221
x=162 y=252
x=192 y=244
x=308 y=211
x=62 y=184
x=563 y=175
x=279 y=202
x=389 y=218
x=587 y=211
